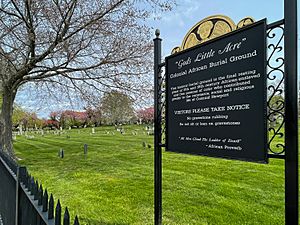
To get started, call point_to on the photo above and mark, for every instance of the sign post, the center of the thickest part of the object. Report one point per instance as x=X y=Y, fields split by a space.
x=157 y=131
x=291 y=114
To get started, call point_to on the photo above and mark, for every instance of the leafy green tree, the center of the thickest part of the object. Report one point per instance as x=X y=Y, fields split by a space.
x=117 y=107
x=18 y=115
x=94 y=116
x=27 y=119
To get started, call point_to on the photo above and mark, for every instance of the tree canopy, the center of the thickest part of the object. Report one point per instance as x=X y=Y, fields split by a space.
x=117 y=107
x=77 y=45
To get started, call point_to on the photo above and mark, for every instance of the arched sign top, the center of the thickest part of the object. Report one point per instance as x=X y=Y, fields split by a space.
x=210 y=28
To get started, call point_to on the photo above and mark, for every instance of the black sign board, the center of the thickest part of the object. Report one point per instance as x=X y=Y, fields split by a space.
x=216 y=97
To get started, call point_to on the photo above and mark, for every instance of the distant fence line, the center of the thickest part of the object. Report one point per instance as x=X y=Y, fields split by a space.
x=23 y=201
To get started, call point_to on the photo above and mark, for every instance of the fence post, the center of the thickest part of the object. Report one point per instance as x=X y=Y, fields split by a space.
x=291 y=114
x=17 y=196
x=22 y=177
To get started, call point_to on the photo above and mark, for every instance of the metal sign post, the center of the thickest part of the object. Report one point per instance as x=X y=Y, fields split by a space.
x=291 y=114
x=157 y=131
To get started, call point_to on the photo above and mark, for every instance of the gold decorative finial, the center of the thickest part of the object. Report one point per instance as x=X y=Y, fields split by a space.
x=210 y=28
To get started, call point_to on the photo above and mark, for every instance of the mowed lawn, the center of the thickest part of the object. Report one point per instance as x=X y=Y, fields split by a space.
x=115 y=183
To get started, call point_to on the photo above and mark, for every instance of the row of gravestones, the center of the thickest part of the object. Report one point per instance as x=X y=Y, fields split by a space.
x=30 y=134
x=61 y=152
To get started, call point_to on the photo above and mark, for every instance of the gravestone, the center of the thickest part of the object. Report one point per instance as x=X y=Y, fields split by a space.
x=144 y=144
x=61 y=153
x=85 y=149
x=21 y=129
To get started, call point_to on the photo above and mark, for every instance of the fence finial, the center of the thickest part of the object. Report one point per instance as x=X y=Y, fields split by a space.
x=66 y=217
x=51 y=208
x=45 y=201
x=58 y=213
x=32 y=186
x=28 y=182
x=40 y=195
x=76 y=221
x=36 y=190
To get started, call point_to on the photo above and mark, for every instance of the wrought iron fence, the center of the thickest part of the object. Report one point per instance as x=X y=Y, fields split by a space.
x=23 y=201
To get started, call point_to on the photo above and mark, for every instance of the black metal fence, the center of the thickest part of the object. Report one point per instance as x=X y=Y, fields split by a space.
x=23 y=201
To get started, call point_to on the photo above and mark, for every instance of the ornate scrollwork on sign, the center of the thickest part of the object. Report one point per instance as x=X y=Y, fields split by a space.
x=275 y=73
x=210 y=28
x=244 y=22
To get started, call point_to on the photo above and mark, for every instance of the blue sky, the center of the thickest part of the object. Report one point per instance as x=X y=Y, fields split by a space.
x=175 y=24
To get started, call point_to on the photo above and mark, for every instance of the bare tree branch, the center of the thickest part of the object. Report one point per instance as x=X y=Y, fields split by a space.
x=75 y=46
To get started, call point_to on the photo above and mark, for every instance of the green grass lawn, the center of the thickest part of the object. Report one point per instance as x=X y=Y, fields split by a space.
x=114 y=184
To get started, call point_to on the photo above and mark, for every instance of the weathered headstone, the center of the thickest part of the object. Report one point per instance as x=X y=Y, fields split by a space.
x=85 y=149
x=61 y=153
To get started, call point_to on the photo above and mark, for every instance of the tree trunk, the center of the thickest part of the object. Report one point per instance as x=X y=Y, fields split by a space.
x=8 y=97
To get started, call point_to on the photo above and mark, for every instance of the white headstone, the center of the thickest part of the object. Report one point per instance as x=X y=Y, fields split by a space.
x=21 y=129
